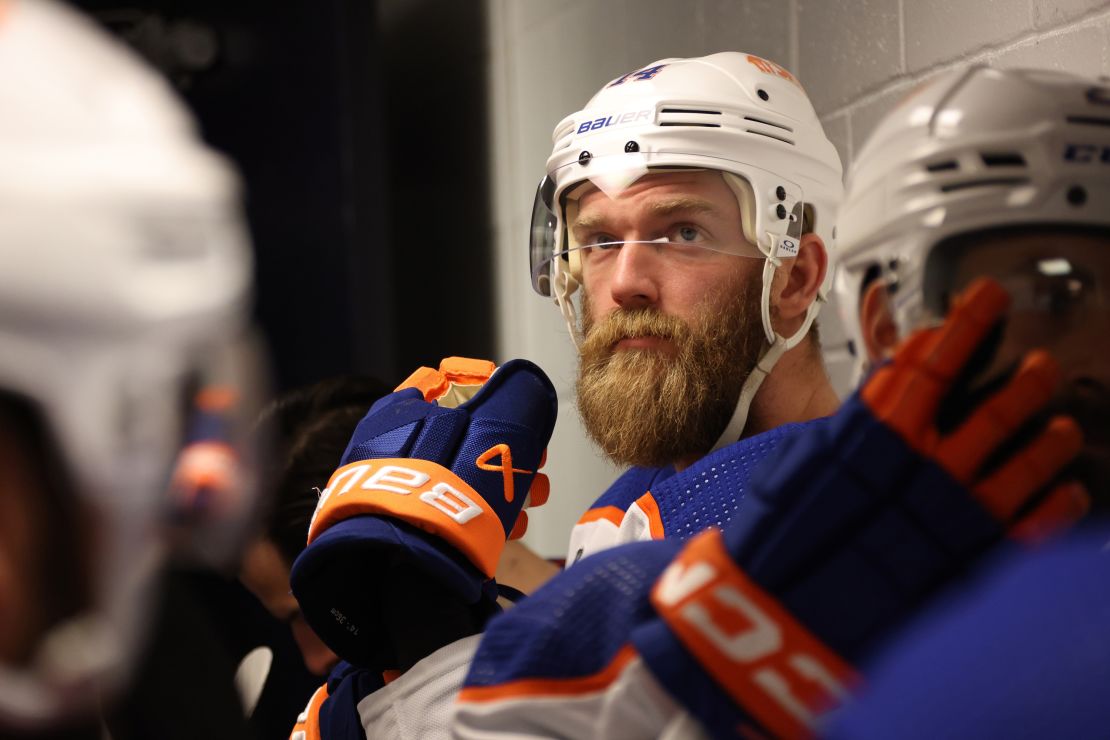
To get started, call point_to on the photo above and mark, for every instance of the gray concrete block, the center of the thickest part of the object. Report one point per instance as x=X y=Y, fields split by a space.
x=942 y=30
x=1051 y=13
x=760 y=27
x=657 y=29
x=837 y=129
x=867 y=116
x=1079 y=51
x=846 y=47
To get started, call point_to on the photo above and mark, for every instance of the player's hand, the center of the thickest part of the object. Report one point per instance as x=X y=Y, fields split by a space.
x=444 y=416
x=423 y=485
x=848 y=529
x=456 y=381
x=907 y=394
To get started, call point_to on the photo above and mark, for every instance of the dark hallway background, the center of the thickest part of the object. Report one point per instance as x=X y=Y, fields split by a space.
x=359 y=128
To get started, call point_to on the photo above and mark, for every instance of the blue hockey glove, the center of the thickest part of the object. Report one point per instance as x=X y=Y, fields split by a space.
x=851 y=527
x=428 y=488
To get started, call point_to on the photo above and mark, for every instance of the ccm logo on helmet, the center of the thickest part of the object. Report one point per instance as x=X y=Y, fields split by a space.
x=1087 y=153
x=617 y=119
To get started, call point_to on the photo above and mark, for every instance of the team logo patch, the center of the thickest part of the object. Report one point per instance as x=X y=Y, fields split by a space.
x=768 y=67
x=639 y=75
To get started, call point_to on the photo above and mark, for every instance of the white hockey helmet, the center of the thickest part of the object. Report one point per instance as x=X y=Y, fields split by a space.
x=125 y=283
x=969 y=151
x=732 y=112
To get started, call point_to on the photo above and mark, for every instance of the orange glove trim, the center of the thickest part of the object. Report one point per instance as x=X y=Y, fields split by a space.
x=769 y=663
x=421 y=493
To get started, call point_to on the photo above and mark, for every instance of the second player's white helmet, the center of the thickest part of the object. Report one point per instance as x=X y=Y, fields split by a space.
x=732 y=112
x=124 y=287
x=971 y=150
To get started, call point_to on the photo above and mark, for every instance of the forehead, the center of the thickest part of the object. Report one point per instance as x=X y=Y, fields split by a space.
x=704 y=185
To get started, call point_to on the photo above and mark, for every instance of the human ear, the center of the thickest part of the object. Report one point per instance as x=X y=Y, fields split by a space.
x=880 y=333
x=798 y=289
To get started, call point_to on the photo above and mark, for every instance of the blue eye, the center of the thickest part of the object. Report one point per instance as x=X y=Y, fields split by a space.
x=603 y=241
x=686 y=234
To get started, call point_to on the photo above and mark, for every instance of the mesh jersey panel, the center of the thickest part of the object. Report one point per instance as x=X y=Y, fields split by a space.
x=709 y=492
x=630 y=486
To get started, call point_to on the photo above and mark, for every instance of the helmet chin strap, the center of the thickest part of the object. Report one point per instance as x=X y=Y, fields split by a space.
x=565 y=285
x=777 y=346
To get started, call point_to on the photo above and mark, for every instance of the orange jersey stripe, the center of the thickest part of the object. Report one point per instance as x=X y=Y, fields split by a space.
x=612 y=513
x=551 y=686
x=649 y=506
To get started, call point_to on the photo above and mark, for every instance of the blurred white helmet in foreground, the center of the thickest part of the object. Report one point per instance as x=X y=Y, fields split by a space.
x=124 y=282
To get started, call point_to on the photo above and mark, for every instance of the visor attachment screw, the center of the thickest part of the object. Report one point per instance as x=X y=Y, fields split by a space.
x=1077 y=195
x=631 y=147
x=584 y=158
x=762 y=94
x=780 y=192
x=780 y=211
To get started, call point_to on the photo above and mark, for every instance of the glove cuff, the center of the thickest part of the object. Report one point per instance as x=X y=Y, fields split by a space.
x=418 y=492
x=766 y=662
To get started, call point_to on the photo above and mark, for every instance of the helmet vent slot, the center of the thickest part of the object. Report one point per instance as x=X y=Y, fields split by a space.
x=1089 y=120
x=769 y=136
x=984 y=183
x=1003 y=159
x=691 y=110
x=946 y=165
x=689 y=123
x=768 y=123
x=686 y=121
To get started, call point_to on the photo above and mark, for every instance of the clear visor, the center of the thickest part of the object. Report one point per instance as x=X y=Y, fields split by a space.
x=1058 y=280
x=684 y=227
x=214 y=486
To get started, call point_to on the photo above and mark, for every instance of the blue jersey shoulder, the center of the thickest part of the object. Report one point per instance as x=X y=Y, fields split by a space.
x=632 y=484
x=710 y=492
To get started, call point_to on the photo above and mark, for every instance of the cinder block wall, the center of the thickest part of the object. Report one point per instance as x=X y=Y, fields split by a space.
x=855 y=58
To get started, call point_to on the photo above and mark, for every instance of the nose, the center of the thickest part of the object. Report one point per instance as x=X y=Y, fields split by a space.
x=635 y=276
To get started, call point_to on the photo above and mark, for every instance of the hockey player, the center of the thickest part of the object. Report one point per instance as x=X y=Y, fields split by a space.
x=1004 y=177
x=953 y=446
x=123 y=293
x=1003 y=174
x=693 y=202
